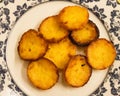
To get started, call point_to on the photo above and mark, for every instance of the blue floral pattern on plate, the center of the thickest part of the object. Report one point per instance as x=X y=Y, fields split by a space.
x=108 y=13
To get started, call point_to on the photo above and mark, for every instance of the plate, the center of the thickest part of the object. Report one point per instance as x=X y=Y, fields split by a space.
x=17 y=67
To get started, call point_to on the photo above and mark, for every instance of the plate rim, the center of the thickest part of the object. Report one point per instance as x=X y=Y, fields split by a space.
x=71 y=3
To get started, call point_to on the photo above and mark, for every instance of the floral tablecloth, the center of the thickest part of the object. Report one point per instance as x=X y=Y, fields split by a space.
x=107 y=10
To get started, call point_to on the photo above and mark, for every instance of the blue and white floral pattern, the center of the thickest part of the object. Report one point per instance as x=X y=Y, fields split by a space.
x=108 y=12
x=99 y=12
x=2 y=77
x=6 y=2
x=21 y=10
x=87 y=1
x=115 y=23
x=115 y=78
x=112 y=3
x=4 y=20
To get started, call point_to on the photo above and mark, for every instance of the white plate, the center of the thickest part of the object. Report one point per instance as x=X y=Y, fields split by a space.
x=17 y=67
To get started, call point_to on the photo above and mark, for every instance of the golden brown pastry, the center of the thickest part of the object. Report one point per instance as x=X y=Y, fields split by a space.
x=73 y=17
x=77 y=72
x=86 y=35
x=101 y=54
x=51 y=30
x=42 y=73
x=31 y=45
x=61 y=52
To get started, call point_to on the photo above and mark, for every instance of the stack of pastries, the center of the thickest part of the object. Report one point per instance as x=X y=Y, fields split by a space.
x=53 y=48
